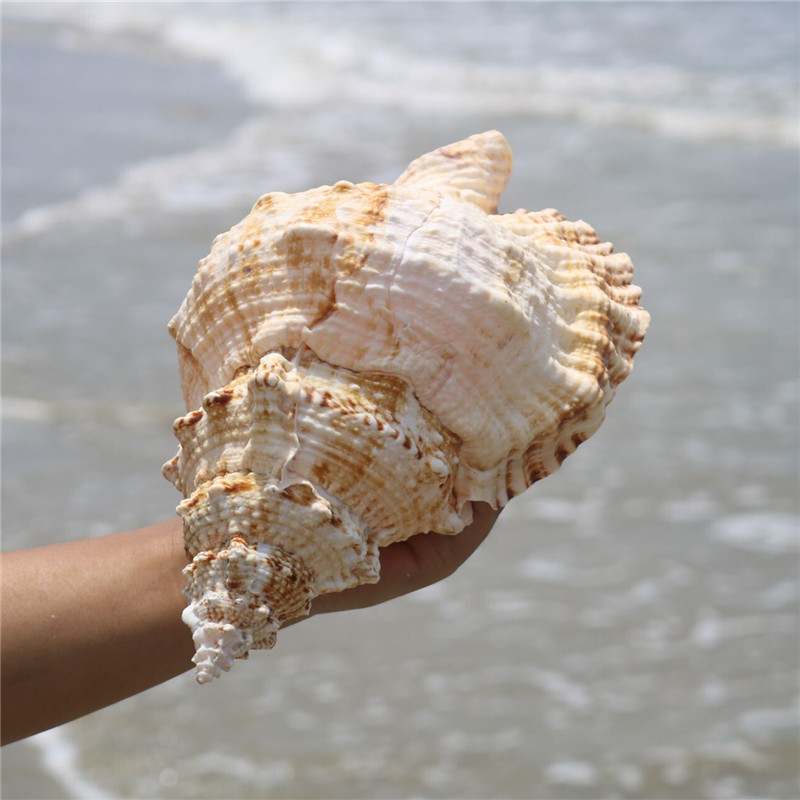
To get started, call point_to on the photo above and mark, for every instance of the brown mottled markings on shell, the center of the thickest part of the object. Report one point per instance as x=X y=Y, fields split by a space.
x=572 y=235
x=233 y=302
x=327 y=310
x=235 y=580
x=315 y=228
x=320 y=472
x=213 y=613
x=371 y=198
x=375 y=212
x=457 y=150
x=534 y=471
x=190 y=419
x=578 y=274
x=336 y=521
x=543 y=216
x=358 y=457
x=219 y=398
x=514 y=267
x=190 y=368
x=391 y=389
x=371 y=214
x=238 y=484
x=195 y=498
x=300 y=493
x=535 y=458
x=263 y=203
x=292 y=251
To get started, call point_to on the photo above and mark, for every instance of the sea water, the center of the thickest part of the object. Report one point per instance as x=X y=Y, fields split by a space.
x=630 y=629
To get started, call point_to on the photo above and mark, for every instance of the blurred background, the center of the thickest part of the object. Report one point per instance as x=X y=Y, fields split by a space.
x=630 y=629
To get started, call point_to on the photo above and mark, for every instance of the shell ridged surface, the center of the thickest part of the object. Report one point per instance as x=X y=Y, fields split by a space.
x=361 y=362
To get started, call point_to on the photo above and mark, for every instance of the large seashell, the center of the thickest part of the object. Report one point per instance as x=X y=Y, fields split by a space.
x=365 y=361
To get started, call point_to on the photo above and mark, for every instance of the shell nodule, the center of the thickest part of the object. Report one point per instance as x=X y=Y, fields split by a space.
x=361 y=362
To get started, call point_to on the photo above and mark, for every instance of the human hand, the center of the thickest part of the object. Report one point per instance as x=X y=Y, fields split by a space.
x=420 y=561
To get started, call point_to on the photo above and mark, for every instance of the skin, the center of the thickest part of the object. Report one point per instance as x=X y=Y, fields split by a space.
x=91 y=622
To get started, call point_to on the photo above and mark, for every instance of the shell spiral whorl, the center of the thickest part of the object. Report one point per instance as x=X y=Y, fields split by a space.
x=360 y=362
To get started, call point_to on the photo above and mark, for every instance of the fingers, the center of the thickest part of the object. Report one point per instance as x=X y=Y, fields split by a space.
x=418 y=562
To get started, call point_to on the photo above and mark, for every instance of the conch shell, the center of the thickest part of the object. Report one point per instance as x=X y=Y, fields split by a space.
x=365 y=360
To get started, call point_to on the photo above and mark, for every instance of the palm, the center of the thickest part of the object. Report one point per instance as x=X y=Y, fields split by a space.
x=417 y=562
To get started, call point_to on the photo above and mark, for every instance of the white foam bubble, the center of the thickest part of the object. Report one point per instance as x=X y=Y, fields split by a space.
x=764 y=726
x=544 y=569
x=435 y=593
x=770 y=532
x=552 y=509
x=782 y=594
x=548 y=570
x=509 y=605
x=711 y=630
x=629 y=777
x=562 y=688
x=692 y=508
x=571 y=773
x=25 y=409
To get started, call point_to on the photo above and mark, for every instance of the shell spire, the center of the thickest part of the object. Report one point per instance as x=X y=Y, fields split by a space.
x=361 y=362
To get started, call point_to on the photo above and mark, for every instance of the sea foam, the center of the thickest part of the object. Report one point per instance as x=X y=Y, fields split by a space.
x=769 y=532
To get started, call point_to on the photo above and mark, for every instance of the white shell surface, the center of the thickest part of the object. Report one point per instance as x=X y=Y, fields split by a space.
x=383 y=355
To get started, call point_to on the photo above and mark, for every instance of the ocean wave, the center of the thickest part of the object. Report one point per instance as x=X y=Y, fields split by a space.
x=321 y=85
x=227 y=174
x=60 y=759
x=286 y=60
x=46 y=412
